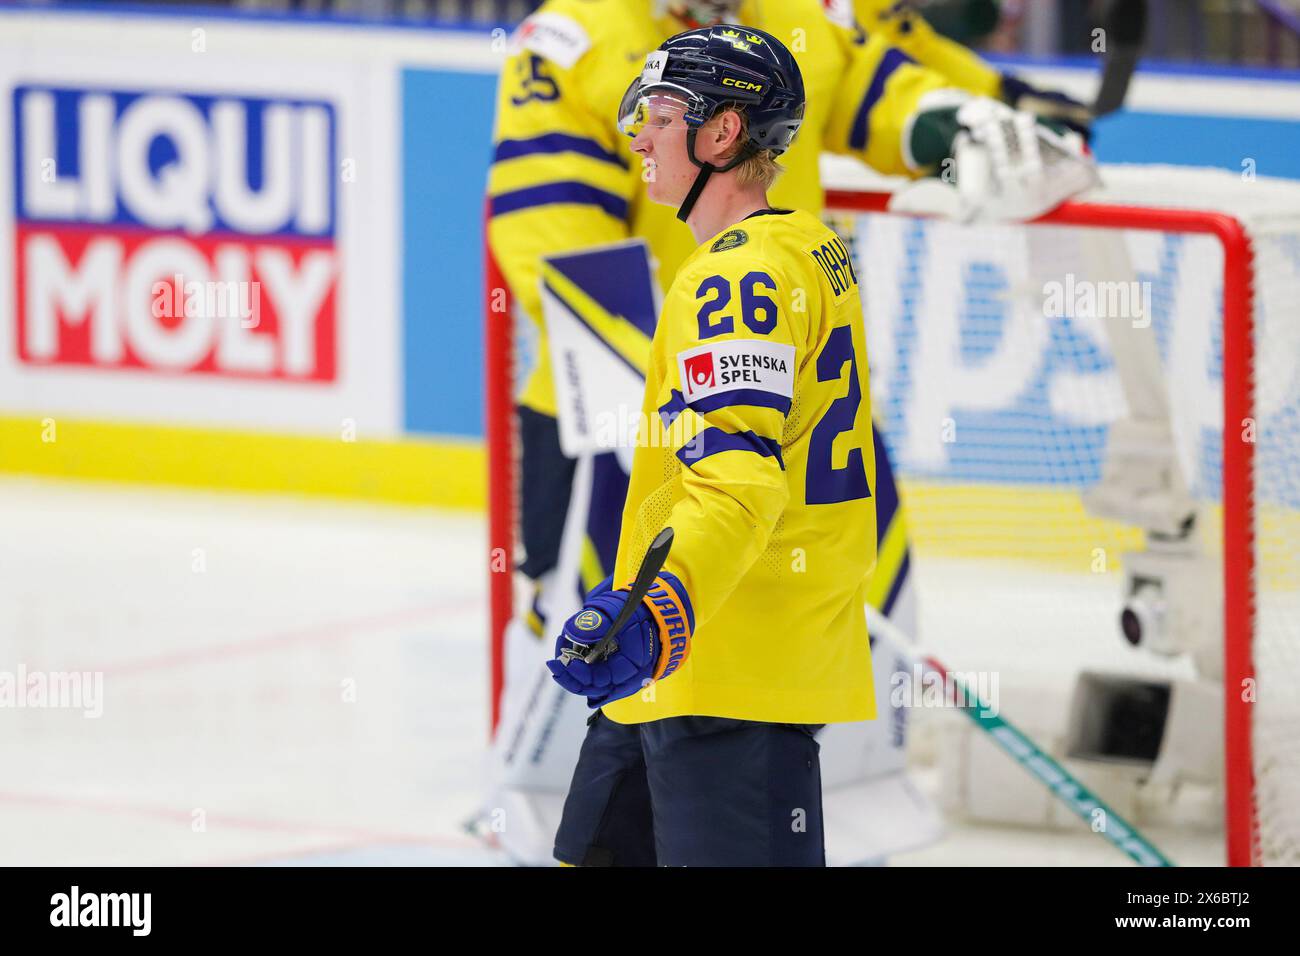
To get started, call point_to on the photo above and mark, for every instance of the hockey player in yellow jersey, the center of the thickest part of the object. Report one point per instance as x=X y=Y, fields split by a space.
x=756 y=450
x=782 y=323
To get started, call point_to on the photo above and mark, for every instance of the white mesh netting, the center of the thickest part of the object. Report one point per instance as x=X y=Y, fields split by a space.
x=996 y=400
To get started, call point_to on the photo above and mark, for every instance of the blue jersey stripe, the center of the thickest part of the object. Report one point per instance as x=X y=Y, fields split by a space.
x=549 y=194
x=713 y=441
x=551 y=143
x=890 y=62
x=671 y=409
x=741 y=396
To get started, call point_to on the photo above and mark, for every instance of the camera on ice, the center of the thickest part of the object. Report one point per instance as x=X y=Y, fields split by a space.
x=176 y=232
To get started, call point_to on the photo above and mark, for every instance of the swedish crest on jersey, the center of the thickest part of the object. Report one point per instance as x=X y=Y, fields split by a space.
x=730 y=239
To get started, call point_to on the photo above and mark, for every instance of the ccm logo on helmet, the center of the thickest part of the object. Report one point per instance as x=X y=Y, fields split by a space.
x=742 y=84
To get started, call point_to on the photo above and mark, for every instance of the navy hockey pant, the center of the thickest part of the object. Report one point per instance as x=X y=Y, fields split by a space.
x=694 y=791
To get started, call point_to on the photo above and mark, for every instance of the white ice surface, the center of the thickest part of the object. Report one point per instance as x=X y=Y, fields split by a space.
x=284 y=681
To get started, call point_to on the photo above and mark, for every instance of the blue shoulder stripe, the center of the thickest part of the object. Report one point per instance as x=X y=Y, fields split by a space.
x=741 y=396
x=549 y=194
x=713 y=441
x=890 y=62
x=550 y=143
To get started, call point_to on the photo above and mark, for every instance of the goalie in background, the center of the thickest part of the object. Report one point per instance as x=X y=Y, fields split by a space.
x=563 y=180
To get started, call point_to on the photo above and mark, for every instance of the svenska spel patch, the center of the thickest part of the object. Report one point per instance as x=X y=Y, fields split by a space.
x=734 y=365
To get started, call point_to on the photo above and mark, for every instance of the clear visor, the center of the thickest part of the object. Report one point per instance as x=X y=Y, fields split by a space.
x=658 y=105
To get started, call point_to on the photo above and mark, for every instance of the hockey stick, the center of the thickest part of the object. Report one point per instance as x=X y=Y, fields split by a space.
x=1063 y=785
x=1126 y=26
x=651 y=564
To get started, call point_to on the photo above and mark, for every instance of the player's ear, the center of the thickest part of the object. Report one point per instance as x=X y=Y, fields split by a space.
x=729 y=131
x=722 y=133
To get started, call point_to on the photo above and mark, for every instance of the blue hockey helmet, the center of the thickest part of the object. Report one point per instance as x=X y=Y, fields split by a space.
x=716 y=67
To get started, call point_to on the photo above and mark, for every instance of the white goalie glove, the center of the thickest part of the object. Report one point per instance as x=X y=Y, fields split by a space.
x=1004 y=165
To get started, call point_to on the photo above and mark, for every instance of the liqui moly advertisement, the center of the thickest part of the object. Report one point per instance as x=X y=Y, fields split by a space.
x=219 y=253
x=176 y=233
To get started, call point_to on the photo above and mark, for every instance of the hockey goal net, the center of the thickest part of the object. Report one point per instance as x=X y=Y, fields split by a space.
x=1019 y=373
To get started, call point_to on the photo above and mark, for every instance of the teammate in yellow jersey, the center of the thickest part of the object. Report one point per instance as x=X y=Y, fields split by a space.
x=756 y=449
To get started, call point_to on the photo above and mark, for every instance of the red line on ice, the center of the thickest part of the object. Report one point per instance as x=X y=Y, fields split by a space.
x=334 y=631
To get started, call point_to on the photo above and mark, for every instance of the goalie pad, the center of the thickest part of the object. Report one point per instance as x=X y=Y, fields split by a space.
x=599 y=306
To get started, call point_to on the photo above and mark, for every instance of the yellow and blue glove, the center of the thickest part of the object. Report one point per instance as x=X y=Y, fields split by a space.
x=652 y=645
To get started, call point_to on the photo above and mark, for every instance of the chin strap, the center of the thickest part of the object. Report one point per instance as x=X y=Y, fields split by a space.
x=697 y=187
x=706 y=170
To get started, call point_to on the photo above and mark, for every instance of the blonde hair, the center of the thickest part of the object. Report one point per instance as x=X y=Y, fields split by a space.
x=760 y=169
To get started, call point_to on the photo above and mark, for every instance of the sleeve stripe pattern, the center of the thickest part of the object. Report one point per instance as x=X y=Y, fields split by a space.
x=671 y=409
x=556 y=143
x=550 y=194
x=714 y=441
x=890 y=62
x=755 y=397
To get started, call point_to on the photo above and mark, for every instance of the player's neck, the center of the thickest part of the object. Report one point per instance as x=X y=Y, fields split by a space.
x=723 y=204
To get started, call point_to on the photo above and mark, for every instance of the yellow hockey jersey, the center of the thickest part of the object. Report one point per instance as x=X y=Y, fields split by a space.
x=755 y=446
x=564 y=178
